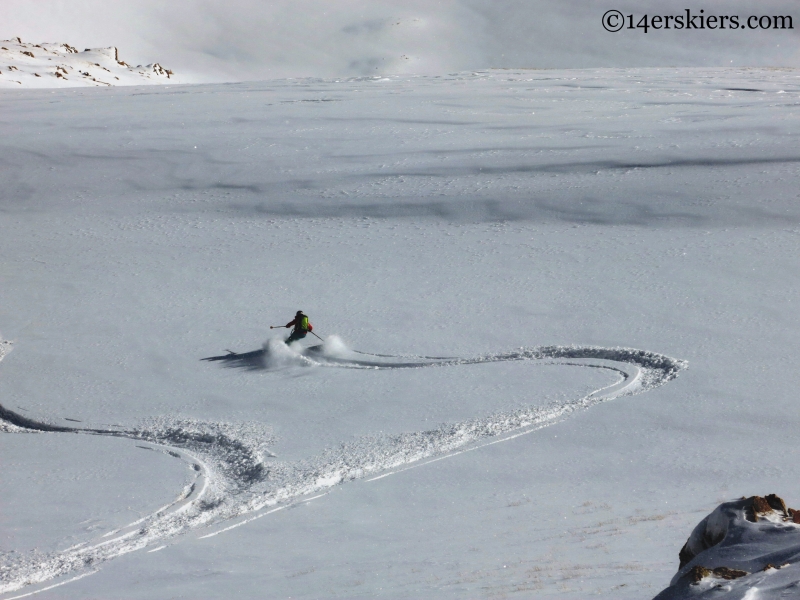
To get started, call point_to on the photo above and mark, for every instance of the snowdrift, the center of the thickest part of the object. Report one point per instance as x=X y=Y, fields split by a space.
x=747 y=548
x=26 y=65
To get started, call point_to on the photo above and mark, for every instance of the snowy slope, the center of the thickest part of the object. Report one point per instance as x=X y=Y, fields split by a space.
x=27 y=65
x=545 y=234
x=233 y=480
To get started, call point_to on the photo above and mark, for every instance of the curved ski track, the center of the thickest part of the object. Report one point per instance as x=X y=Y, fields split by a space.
x=232 y=480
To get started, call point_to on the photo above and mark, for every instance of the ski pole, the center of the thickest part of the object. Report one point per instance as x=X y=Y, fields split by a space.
x=277 y=327
x=317 y=336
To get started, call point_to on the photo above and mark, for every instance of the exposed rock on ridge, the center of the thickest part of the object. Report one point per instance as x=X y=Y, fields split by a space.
x=24 y=65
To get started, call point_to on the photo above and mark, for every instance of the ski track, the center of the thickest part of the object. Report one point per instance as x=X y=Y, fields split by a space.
x=233 y=482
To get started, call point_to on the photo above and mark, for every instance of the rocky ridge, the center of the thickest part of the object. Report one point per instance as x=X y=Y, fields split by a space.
x=51 y=65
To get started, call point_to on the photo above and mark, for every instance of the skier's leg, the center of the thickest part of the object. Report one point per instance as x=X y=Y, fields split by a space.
x=296 y=335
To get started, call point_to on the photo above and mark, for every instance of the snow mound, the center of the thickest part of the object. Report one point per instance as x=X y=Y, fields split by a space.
x=747 y=548
x=26 y=65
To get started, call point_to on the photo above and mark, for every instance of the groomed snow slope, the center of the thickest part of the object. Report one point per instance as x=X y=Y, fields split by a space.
x=493 y=218
x=59 y=65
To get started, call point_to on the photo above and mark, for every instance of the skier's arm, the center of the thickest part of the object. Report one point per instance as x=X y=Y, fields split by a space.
x=291 y=323
x=310 y=327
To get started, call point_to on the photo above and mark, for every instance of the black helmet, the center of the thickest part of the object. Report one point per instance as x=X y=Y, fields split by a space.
x=299 y=312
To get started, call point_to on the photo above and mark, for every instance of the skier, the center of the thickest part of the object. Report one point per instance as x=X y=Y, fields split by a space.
x=301 y=327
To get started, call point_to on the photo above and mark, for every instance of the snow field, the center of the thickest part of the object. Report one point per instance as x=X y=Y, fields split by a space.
x=234 y=465
x=466 y=216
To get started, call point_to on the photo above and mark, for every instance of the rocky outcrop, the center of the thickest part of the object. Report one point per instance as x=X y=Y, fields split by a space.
x=62 y=65
x=738 y=547
x=697 y=573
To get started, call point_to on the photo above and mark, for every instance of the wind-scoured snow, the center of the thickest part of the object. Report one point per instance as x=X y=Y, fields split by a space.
x=59 y=65
x=233 y=480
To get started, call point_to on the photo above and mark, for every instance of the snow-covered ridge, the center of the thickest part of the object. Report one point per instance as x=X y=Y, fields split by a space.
x=747 y=548
x=25 y=65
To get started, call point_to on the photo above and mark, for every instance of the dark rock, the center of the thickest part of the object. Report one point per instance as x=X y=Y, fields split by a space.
x=685 y=555
x=764 y=506
x=777 y=503
x=698 y=573
x=726 y=573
